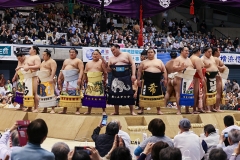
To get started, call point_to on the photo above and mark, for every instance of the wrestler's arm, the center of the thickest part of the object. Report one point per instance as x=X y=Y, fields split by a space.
x=37 y=63
x=164 y=73
x=105 y=74
x=133 y=65
x=60 y=76
x=176 y=66
x=199 y=68
x=81 y=68
x=139 y=75
x=108 y=66
x=85 y=74
x=53 y=68
x=221 y=66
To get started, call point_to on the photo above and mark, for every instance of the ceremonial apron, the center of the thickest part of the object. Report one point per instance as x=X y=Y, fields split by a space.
x=200 y=95
x=94 y=93
x=28 y=87
x=70 y=95
x=224 y=76
x=172 y=97
x=211 y=88
x=151 y=92
x=19 y=88
x=120 y=92
x=46 y=90
x=186 y=89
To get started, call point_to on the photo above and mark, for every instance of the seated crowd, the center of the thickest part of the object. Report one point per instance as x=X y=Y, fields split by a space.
x=114 y=144
x=56 y=26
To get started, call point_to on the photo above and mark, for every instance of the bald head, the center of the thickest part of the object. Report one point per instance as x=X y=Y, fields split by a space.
x=118 y=122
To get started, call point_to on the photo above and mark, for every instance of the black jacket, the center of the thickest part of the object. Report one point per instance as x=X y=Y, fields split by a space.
x=103 y=142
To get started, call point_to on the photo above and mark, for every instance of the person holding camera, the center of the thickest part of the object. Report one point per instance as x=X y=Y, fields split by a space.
x=233 y=137
x=104 y=142
x=9 y=134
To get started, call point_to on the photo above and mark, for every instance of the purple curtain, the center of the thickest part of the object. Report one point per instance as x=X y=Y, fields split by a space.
x=128 y=8
x=229 y=3
x=22 y=3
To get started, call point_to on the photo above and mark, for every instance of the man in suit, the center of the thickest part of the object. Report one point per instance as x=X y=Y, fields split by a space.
x=37 y=133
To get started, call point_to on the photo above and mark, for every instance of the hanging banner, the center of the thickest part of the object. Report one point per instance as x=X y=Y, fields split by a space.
x=230 y=58
x=107 y=53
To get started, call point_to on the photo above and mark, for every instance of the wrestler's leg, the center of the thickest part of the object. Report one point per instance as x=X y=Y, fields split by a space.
x=196 y=96
x=177 y=83
x=168 y=93
x=141 y=110
x=44 y=110
x=116 y=108
x=104 y=111
x=52 y=111
x=131 y=110
x=77 y=111
x=36 y=99
x=219 y=93
x=64 y=111
x=89 y=111
x=158 y=111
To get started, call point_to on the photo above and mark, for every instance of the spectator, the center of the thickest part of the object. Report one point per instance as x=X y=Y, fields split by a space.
x=170 y=39
x=122 y=153
x=4 y=149
x=53 y=39
x=75 y=40
x=124 y=135
x=70 y=34
x=60 y=150
x=62 y=41
x=156 y=149
x=226 y=106
x=27 y=41
x=104 y=142
x=9 y=85
x=233 y=137
x=41 y=34
x=217 y=154
x=170 y=153
x=15 y=20
x=187 y=140
x=235 y=87
x=37 y=132
x=14 y=37
x=228 y=86
x=178 y=37
x=237 y=107
x=157 y=128
x=229 y=124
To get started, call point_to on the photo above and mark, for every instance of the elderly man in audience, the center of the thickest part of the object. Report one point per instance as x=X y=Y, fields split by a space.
x=60 y=150
x=104 y=142
x=187 y=140
x=233 y=137
x=10 y=134
x=37 y=132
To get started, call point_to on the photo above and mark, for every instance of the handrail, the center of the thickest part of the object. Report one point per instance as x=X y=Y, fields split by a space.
x=223 y=35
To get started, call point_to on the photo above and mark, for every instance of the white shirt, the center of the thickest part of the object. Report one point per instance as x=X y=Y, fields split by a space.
x=125 y=137
x=188 y=141
x=4 y=149
x=230 y=128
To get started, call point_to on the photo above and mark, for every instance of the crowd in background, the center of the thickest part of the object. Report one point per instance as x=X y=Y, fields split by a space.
x=82 y=28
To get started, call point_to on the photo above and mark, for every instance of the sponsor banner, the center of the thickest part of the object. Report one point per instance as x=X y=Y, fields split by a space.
x=107 y=53
x=6 y=52
x=230 y=58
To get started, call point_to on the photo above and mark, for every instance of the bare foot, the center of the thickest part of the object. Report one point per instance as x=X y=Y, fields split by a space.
x=62 y=112
x=133 y=113
x=208 y=111
x=35 y=111
x=44 y=110
x=201 y=111
x=159 y=113
x=178 y=113
x=140 y=112
x=104 y=113
x=28 y=109
x=114 y=113
x=218 y=110
x=86 y=113
x=214 y=110
x=52 y=111
x=195 y=112
x=77 y=113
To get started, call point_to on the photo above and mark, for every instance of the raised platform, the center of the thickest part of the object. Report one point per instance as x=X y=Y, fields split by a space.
x=80 y=127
